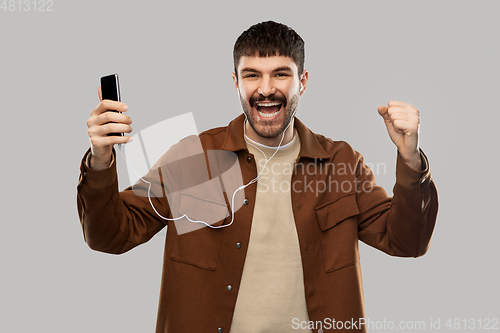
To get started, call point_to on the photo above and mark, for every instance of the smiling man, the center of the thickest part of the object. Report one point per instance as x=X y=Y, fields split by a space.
x=290 y=260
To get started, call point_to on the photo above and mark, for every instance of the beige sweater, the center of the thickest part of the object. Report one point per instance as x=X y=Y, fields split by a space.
x=272 y=293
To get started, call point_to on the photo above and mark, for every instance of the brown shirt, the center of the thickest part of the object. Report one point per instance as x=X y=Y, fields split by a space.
x=335 y=203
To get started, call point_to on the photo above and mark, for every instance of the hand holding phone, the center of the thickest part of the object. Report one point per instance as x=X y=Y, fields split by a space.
x=107 y=123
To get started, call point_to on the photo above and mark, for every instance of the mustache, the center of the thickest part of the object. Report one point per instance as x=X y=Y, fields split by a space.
x=271 y=98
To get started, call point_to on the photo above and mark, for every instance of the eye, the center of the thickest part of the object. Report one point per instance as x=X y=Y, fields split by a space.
x=250 y=76
x=281 y=74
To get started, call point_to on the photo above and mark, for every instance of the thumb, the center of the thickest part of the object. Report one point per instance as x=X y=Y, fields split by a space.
x=384 y=112
x=99 y=92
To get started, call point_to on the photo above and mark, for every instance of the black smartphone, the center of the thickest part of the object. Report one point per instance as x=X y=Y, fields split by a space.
x=110 y=89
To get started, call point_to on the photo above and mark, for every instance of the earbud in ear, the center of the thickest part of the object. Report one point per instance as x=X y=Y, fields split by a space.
x=301 y=87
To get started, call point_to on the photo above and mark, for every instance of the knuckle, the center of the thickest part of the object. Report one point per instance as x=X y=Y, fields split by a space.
x=92 y=131
x=106 y=116
x=104 y=105
x=106 y=128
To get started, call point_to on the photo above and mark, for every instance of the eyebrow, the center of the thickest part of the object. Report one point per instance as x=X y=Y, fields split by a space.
x=253 y=70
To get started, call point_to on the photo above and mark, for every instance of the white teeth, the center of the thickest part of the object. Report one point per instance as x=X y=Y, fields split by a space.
x=269 y=104
x=268 y=115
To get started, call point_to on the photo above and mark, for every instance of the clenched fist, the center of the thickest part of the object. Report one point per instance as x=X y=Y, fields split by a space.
x=402 y=121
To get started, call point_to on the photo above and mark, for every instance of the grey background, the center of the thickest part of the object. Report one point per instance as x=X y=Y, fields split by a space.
x=173 y=58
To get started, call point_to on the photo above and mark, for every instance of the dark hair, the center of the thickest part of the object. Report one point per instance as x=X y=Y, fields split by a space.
x=268 y=39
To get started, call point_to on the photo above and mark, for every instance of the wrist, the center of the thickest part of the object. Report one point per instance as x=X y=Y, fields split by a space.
x=98 y=163
x=413 y=160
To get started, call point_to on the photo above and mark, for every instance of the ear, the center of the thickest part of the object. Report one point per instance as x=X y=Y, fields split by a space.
x=235 y=80
x=304 y=77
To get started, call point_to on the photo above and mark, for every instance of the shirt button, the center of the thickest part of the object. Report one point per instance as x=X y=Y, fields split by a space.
x=230 y=287
x=238 y=245
x=298 y=205
x=245 y=201
x=219 y=330
x=311 y=290
x=249 y=159
x=306 y=247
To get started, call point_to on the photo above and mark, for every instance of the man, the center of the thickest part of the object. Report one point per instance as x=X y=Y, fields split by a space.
x=290 y=260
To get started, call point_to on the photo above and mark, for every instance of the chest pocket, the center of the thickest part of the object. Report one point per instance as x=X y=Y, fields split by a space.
x=197 y=244
x=339 y=232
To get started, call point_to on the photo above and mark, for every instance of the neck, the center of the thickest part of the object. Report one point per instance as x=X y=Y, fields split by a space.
x=271 y=142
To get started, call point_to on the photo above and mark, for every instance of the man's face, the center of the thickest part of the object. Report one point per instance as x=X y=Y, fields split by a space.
x=269 y=89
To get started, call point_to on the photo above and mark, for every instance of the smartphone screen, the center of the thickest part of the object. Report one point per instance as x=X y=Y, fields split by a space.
x=110 y=89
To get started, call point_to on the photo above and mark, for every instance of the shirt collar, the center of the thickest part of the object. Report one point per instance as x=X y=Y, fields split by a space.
x=310 y=146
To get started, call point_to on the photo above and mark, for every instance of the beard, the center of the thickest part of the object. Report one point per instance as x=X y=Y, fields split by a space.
x=269 y=129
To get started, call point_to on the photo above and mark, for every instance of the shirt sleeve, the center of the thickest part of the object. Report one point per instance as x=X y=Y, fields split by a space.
x=401 y=225
x=112 y=221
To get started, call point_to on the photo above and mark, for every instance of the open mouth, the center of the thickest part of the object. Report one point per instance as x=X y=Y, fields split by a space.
x=268 y=110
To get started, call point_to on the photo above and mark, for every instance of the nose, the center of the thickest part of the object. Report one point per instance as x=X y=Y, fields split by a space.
x=266 y=87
